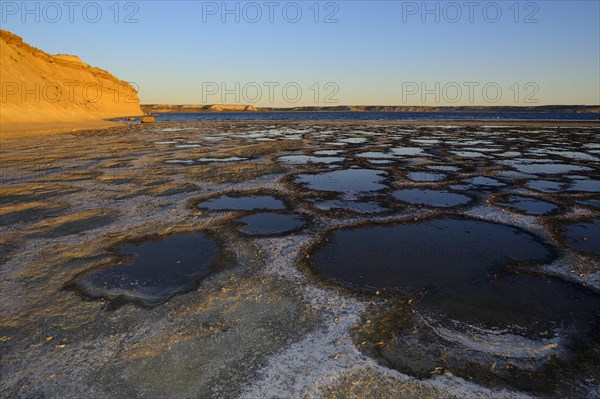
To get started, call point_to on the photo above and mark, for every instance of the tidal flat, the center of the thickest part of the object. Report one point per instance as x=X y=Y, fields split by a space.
x=302 y=260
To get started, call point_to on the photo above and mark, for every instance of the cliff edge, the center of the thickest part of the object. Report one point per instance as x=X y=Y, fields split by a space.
x=36 y=87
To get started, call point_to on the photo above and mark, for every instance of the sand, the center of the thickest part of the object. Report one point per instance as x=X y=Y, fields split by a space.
x=16 y=130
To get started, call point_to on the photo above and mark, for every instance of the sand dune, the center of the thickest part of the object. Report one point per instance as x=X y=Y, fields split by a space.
x=39 y=89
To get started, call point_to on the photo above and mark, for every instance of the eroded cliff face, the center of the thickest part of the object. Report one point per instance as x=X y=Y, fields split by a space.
x=38 y=87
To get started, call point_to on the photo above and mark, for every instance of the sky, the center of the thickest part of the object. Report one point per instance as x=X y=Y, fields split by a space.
x=309 y=53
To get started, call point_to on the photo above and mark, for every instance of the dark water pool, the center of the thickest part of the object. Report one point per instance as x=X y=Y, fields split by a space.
x=346 y=180
x=465 y=268
x=155 y=271
x=434 y=198
x=530 y=206
x=270 y=223
x=584 y=236
x=247 y=203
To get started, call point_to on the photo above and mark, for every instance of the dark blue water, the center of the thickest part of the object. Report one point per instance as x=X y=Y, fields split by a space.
x=386 y=116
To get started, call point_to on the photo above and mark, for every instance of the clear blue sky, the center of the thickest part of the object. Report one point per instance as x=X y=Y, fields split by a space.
x=378 y=52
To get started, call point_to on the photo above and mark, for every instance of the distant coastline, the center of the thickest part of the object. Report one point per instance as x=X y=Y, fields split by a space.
x=574 y=109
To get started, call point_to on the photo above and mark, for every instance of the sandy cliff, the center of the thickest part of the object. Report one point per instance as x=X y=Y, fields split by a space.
x=37 y=87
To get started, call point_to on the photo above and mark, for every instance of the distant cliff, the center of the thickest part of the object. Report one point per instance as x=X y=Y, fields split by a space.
x=168 y=108
x=403 y=108
x=38 y=87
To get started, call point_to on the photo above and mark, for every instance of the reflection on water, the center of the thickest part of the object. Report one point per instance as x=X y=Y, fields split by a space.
x=461 y=266
x=434 y=198
x=270 y=223
x=584 y=236
x=246 y=203
x=159 y=270
x=528 y=205
x=345 y=180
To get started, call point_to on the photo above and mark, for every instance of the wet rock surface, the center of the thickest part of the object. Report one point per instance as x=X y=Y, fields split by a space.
x=396 y=335
x=449 y=274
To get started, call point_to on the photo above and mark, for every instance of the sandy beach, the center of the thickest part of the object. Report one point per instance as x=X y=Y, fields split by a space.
x=19 y=130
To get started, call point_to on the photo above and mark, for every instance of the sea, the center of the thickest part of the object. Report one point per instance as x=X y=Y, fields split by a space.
x=371 y=116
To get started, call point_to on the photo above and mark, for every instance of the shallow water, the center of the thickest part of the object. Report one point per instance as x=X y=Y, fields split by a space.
x=509 y=154
x=375 y=155
x=353 y=140
x=545 y=186
x=584 y=236
x=159 y=270
x=426 y=141
x=408 y=151
x=179 y=161
x=328 y=152
x=270 y=223
x=345 y=180
x=585 y=185
x=444 y=168
x=530 y=206
x=414 y=256
x=306 y=159
x=493 y=117
x=228 y=159
x=434 y=198
x=595 y=203
x=380 y=161
x=426 y=176
x=354 y=206
x=469 y=154
x=485 y=181
x=545 y=168
x=462 y=267
x=576 y=155
x=247 y=203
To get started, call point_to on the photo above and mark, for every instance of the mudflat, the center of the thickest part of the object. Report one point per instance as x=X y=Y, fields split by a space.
x=261 y=318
